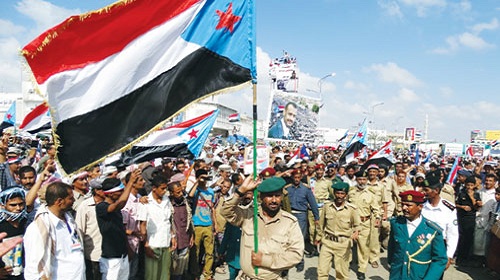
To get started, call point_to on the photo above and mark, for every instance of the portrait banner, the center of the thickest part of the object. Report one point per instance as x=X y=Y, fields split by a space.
x=293 y=117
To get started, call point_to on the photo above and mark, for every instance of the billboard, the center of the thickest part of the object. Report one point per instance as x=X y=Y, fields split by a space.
x=293 y=117
x=492 y=135
x=409 y=134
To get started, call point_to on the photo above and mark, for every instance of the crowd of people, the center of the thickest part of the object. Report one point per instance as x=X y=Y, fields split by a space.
x=180 y=219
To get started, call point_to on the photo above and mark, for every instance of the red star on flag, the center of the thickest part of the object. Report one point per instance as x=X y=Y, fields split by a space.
x=360 y=134
x=9 y=116
x=387 y=151
x=193 y=134
x=227 y=19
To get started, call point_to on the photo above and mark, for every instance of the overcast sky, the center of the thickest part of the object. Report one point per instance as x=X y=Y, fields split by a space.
x=419 y=57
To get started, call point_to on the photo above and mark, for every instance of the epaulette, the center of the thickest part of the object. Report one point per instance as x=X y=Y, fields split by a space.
x=448 y=204
x=288 y=215
x=350 y=205
x=433 y=225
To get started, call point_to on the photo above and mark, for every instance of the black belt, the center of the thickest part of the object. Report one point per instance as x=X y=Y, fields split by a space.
x=335 y=238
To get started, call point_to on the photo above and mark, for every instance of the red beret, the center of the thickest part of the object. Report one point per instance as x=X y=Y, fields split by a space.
x=412 y=196
x=268 y=172
x=320 y=166
x=296 y=171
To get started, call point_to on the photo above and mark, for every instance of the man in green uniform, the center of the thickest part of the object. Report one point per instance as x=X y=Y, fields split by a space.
x=281 y=243
x=339 y=226
x=416 y=246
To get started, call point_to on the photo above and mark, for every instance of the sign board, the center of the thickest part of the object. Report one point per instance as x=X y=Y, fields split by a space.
x=262 y=159
x=409 y=134
x=492 y=135
x=293 y=117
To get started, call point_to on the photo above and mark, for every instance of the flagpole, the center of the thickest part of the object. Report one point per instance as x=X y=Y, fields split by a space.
x=255 y=192
x=253 y=52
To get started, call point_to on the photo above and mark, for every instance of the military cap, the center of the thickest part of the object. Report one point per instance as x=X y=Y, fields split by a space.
x=332 y=165
x=320 y=166
x=433 y=179
x=296 y=171
x=271 y=185
x=341 y=186
x=464 y=172
x=267 y=172
x=360 y=173
x=311 y=164
x=372 y=166
x=412 y=196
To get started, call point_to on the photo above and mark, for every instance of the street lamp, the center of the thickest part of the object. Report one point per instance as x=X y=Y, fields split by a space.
x=373 y=111
x=321 y=80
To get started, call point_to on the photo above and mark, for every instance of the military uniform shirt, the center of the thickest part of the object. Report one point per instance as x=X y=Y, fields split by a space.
x=365 y=202
x=446 y=218
x=321 y=192
x=340 y=222
x=280 y=239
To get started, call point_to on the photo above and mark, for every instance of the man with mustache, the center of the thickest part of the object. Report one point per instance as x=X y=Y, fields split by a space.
x=281 y=244
x=416 y=246
x=369 y=212
x=338 y=228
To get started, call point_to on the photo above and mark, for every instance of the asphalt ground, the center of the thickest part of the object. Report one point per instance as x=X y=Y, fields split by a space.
x=382 y=272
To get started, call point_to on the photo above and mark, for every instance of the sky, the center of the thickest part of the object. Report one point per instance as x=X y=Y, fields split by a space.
x=434 y=58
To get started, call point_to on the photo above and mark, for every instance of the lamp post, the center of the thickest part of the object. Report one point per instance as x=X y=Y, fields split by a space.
x=373 y=111
x=320 y=82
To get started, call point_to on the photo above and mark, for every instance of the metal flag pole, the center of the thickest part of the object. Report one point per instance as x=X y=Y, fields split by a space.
x=255 y=192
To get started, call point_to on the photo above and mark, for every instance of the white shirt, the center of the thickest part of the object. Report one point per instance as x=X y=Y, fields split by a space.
x=86 y=220
x=412 y=225
x=286 y=130
x=157 y=217
x=68 y=262
x=489 y=203
x=446 y=219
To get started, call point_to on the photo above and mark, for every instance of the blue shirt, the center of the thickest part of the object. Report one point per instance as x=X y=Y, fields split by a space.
x=302 y=198
x=204 y=205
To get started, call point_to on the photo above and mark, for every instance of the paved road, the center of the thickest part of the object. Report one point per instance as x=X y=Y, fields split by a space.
x=381 y=273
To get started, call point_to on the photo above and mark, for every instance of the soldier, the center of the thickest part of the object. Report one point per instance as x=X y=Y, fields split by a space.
x=442 y=212
x=338 y=225
x=281 y=244
x=389 y=186
x=416 y=246
x=369 y=212
x=378 y=190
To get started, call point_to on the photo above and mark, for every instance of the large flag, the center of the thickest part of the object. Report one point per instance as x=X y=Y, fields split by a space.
x=9 y=119
x=299 y=154
x=185 y=139
x=355 y=145
x=428 y=157
x=453 y=172
x=37 y=120
x=383 y=157
x=417 y=157
x=133 y=65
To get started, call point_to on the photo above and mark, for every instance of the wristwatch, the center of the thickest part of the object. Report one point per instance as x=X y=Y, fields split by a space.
x=237 y=190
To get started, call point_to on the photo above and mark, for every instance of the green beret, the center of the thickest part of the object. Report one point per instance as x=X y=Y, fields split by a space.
x=341 y=186
x=271 y=185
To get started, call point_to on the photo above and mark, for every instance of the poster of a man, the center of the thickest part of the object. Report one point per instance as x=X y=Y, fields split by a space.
x=293 y=117
x=282 y=128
